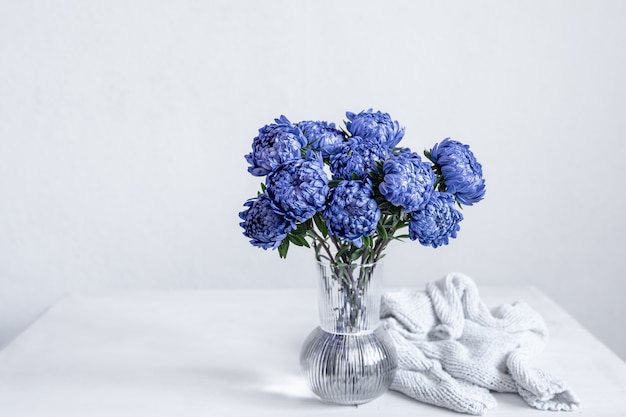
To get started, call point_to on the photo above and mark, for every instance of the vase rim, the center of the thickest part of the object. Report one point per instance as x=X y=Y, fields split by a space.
x=355 y=264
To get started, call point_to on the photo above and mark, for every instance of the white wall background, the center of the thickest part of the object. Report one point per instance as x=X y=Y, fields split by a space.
x=123 y=126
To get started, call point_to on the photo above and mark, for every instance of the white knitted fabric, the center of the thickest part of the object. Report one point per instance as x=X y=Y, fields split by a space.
x=453 y=350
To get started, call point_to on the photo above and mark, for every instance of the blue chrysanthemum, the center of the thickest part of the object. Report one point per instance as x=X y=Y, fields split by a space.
x=323 y=137
x=376 y=125
x=352 y=212
x=276 y=144
x=462 y=174
x=408 y=181
x=357 y=157
x=437 y=222
x=263 y=224
x=298 y=189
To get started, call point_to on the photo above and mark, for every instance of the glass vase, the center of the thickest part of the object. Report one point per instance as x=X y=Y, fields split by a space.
x=349 y=359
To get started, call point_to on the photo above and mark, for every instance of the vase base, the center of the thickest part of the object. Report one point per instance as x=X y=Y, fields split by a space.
x=348 y=369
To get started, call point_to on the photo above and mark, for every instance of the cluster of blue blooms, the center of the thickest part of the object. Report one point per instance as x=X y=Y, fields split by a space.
x=352 y=189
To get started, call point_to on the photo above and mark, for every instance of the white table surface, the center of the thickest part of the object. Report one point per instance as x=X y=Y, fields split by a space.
x=235 y=353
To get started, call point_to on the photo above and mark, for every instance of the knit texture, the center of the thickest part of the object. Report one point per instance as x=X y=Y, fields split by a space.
x=452 y=349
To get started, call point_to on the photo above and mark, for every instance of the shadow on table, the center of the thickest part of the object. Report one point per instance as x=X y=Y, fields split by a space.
x=271 y=388
x=513 y=400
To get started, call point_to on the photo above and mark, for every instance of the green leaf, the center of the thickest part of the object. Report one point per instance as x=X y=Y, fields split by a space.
x=382 y=232
x=428 y=155
x=402 y=224
x=399 y=237
x=300 y=230
x=263 y=187
x=283 y=248
x=298 y=240
x=321 y=225
x=342 y=251
x=357 y=254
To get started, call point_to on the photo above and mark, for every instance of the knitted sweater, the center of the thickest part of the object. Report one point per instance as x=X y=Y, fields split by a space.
x=453 y=350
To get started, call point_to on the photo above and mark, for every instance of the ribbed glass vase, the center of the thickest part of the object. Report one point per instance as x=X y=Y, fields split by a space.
x=349 y=358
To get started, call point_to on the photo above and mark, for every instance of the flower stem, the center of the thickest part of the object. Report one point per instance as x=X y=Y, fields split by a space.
x=317 y=238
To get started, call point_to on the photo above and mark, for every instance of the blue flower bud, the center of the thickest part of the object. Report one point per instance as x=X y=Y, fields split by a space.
x=377 y=126
x=323 y=137
x=437 y=222
x=298 y=188
x=276 y=144
x=357 y=157
x=263 y=224
x=351 y=212
x=462 y=174
x=408 y=181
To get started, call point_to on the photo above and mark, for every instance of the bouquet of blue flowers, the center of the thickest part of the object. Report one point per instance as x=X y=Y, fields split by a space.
x=349 y=192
